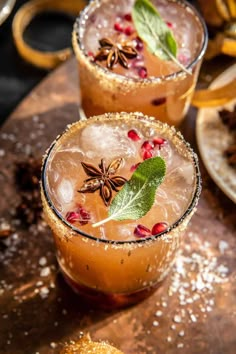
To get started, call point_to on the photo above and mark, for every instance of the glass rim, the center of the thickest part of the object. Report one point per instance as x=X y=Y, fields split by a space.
x=78 y=45
x=192 y=204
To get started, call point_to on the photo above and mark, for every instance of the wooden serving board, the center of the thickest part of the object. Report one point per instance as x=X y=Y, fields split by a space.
x=194 y=311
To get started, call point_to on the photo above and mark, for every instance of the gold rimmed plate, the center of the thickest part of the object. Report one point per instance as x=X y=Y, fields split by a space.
x=213 y=137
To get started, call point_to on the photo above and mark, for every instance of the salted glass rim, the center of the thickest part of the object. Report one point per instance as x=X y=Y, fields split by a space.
x=142 y=117
x=78 y=31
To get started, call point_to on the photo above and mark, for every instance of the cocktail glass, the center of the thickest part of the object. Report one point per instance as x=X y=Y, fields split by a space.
x=155 y=87
x=110 y=265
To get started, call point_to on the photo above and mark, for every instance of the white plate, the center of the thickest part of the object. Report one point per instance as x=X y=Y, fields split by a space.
x=213 y=137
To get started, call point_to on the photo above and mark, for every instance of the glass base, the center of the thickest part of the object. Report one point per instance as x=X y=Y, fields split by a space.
x=107 y=301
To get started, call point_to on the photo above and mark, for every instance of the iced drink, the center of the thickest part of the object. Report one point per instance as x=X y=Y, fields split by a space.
x=118 y=262
x=139 y=80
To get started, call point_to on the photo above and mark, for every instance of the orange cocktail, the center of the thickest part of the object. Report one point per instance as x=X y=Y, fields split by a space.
x=117 y=262
x=139 y=80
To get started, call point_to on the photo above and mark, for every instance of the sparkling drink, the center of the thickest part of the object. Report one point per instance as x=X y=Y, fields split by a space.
x=148 y=84
x=119 y=262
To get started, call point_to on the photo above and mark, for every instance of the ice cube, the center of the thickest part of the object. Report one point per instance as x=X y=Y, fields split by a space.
x=65 y=191
x=106 y=141
x=187 y=172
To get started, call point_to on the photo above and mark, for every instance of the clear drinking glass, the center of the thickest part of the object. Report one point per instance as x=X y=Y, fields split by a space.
x=167 y=90
x=110 y=266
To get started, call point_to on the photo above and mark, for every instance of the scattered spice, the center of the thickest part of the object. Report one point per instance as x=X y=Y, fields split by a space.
x=27 y=177
x=103 y=178
x=229 y=119
x=115 y=53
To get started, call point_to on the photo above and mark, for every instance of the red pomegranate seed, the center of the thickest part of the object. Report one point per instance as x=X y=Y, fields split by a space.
x=118 y=27
x=184 y=59
x=134 y=167
x=128 y=30
x=137 y=63
x=142 y=72
x=141 y=231
x=81 y=215
x=158 y=101
x=159 y=227
x=169 y=24
x=128 y=17
x=139 y=44
x=85 y=216
x=158 y=141
x=147 y=154
x=72 y=216
x=133 y=135
x=147 y=145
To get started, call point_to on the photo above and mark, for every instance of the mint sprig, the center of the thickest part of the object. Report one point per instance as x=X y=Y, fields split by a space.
x=137 y=196
x=153 y=30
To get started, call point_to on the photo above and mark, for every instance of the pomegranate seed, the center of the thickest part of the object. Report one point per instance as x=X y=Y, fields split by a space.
x=159 y=227
x=142 y=72
x=147 y=154
x=85 y=216
x=128 y=30
x=139 y=44
x=137 y=63
x=72 y=216
x=158 y=141
x=134 y=167
x=81 y=215
x=141 y=231
x=128 y=17
x=133 y=135
x=169 y=24
x=118 y=27
x=147 y=145
x=158 y=101
x=184 y=59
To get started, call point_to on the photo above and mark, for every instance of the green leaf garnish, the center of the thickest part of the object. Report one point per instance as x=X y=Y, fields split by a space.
x=137 y=196
x=153 y=30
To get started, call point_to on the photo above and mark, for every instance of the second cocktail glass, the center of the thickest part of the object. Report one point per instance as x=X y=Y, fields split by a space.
x=149 y=85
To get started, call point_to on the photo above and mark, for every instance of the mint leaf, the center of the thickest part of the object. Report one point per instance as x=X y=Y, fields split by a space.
x=153 y=30
x=137 y=196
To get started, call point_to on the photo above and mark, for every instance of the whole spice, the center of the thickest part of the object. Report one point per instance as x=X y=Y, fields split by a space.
x=103 y=179
x=115 y=53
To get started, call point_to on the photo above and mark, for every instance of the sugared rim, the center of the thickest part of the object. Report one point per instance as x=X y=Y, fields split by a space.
x=142 y=117
x=78 y=45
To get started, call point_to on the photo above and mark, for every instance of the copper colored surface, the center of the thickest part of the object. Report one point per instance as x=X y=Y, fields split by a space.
x=194 y=311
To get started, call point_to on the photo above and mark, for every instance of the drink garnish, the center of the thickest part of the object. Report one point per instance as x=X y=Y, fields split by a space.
x=103 y=179
x=154 y=31
x=80 y=214
x=115 y=53
x=137 y=196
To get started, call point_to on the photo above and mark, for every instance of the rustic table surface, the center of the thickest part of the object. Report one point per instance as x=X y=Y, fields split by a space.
x=193 y=312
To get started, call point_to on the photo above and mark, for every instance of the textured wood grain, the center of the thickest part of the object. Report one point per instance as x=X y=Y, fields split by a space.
x=193 y=312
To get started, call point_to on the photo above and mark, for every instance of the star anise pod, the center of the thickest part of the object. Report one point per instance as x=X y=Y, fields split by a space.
x=115 y=52
x=102 y=178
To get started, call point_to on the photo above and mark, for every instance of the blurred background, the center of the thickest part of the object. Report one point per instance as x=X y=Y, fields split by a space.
x=46 y=32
